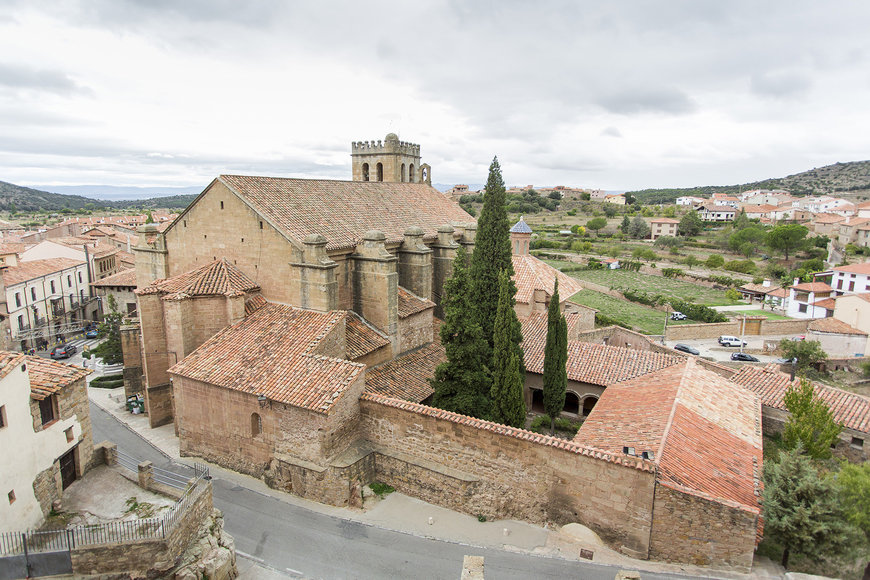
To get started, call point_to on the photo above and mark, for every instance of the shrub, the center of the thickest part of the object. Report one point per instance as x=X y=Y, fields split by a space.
x=381 y=489
x=108 y=381
x=698 y=311
x=572 y=212
x=742 y=266
x=715 y=261
x=541 y=424
x=672 y=272
x=604 y=320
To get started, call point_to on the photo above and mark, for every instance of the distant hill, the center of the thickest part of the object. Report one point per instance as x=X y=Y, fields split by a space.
x=851 y=179
x=120 y=192
x=17 y=198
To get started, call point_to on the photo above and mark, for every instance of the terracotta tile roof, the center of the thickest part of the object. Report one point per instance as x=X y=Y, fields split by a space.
x=664 y=221
x=25 y=271
x=598 y=364
x=763 y=208
x=828 y=218
x=410 y=303
x=828 y=303
x=361 y=339
x=833 y=326
x=122 y=278
x=48 y=376
x=274 y=352
x=852 y=410
x=343 y=211
x=569 y=446
x=75 y=242
x=254 y=303
x=12 y=248
x=99 y=231
x=812 y=287
x=862 y=268
x=760 y=288
x=104 y=250
x=704 y=433
x=532 y=274
x=534 y=326
x=778 y=293
x=213 y=279
x=407 y=377
x=9 y=361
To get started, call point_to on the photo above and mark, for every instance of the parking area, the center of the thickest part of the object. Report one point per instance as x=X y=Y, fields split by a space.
x=710 y=347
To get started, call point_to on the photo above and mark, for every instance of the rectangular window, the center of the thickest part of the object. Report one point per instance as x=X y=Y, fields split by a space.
x=18 y=299
x=802 y=308
x=2 y=416
x=80 y=277
x=857 y=443
x=839 y=285
x=52 y=286
x=69 y=434
x=69 y=280
x=33 y=292
x=20 y=322
x=46 y=410
x=851 y=285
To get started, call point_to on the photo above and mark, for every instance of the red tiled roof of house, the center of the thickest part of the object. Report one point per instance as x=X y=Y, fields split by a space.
x=48 y=376
x=664 y=221
x=828 y=218
x=75 y=242
x=862 y=268
x=599 y=364
x=778 y=293
x=122 y=278
x=9 y=361
x=25 y=271
x=213 y=279
x=569 y=446
x=764 y=208
x=813 y=287
x=532 y=274
x=407 y=376
x=100 y=231
x=759 y=288
x=343 y=211
x=12 y=248
x=833 y=326
x=534 y=326
x=849 y=409
x=361 y=339
x=704 y=433
x=828 y=303
x=410 y=303
x=273 y=352
x=254 y=303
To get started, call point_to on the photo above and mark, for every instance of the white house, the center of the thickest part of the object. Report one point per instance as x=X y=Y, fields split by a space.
x=853 y=278
x=803 y=298
x=690 y=200
x=45 y=434
x=716 y=213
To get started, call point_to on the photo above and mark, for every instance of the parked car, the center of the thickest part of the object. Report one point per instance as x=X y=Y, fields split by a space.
x=726 y=340
x=798 y=338
x=677 y=315
x=63 y=351
x=91 y=333
x=743 y=357
x=785 y=361
x=687 y=348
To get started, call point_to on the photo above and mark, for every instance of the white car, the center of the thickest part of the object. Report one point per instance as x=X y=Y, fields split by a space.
x=731 y=341
x=677 y=315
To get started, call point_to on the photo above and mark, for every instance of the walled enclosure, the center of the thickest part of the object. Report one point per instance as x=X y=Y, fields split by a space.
x=715 y=329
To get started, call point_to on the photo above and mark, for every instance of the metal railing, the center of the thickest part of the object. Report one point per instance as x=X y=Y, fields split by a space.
x=156 y=528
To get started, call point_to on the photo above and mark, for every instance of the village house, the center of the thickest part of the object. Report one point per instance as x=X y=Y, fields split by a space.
x=121 y=286
x=45 y=432
x=690 y=200
x=827 y=224
x=615 y=198
x=663 y=227
x=716 y=213
x=804 y=298
x=853 y=231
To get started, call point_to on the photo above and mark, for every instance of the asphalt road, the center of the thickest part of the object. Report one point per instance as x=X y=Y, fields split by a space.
x=307 y=544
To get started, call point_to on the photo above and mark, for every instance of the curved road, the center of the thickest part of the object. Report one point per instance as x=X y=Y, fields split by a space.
x=305 y=544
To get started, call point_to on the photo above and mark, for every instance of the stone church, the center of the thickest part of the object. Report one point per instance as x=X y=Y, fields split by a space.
x=288 y=328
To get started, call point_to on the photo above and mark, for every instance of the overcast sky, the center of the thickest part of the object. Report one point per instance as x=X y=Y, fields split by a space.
x=614 y=95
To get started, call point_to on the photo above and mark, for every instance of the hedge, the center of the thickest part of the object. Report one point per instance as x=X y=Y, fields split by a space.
x=108 y=381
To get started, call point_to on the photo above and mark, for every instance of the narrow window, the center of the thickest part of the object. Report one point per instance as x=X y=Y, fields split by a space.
x=20 y=322
x=33 y=293
x=2 y=416
x=69 y=280
x=52 y=286
x=46 y=409
x=403 y=173
x=11 y=496
x=18 y=299
x=365 y=171
x=80 y=277
x=69 y=434
x=256 y=424
x=411 y=173
x=222 y=205
x=184 y=223
x=261 y=225
x=380 y=171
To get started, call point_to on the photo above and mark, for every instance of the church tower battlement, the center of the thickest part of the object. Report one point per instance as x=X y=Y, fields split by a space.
x=389 y=160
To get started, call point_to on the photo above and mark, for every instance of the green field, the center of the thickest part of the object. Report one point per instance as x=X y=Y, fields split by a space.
x=643 y=318
x=667 y=287
x=767 y=313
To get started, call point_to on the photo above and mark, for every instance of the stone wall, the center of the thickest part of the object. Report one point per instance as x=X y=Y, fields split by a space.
x=691 y=529
x=131 y=347
x=415 y=331
x=716 y=329
x=500 y=472
x=847 y=447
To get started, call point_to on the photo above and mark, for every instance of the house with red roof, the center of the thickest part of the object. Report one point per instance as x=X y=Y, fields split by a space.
x=804 y=298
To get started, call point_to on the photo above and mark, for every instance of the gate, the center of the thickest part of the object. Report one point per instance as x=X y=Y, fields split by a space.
x=34 y=554
x=68 y=468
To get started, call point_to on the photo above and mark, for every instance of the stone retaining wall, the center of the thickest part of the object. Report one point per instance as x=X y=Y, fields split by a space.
x=732 y=327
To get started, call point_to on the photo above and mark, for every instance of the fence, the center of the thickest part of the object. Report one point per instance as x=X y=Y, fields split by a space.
x=69 y=538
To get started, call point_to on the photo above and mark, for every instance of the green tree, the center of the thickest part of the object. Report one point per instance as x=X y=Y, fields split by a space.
x=810 y=423
x=808 y=353
x=596 y=224
x=461 y=383
x=149 y=219
x=625 y=225
x=801 y=511
x=853 y=482
x=638 y=229
x=110 y=331
x=741 y=220
x=508 y=403
x=492 y=253
x=644 y=254
x=555 y=360
x=715 y=261
x=609 y=210
x=786 y=238
x=690 y=224
x=668 y=242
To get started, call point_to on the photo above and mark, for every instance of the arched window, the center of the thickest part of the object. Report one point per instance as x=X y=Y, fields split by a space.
x=425 y=175
x=256 y=424
x=572 y=403
x=411 y=173
x=588 y=405
x=365 y=171
x=403 y=173
x=538 y=400
x=380 y=171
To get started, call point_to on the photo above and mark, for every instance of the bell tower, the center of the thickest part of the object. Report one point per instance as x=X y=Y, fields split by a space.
x=389 y=160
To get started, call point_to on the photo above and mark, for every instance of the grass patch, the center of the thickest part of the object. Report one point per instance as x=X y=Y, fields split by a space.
x=765 y=313
x=643 y=318
x=144 y=509
x=381 y=489
x=668 y=287
x=541 y=424
x=108 y=381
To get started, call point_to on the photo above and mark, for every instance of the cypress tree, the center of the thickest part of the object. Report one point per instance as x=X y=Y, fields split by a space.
x=492 y=252
x=555 y=360
x=508 y=403
x=461 y=383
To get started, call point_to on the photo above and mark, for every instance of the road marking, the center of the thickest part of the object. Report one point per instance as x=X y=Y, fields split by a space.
x=250 y=557
x=292 y=571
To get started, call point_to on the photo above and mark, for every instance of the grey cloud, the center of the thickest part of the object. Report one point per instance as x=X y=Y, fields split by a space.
x=611 y=132
x=644 y=100
x=780 y=84
x=53 y=81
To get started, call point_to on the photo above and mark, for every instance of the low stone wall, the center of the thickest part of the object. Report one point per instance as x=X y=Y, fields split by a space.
x=148 y=557
x=732 y=327
x=689 y=528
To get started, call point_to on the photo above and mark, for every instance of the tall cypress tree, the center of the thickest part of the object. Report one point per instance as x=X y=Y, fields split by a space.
x=555 y=360
x=492 y=252
x=462 y=384
x=508 y=403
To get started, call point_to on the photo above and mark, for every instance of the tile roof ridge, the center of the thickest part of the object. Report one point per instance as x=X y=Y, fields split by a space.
x=335 y=317
x=688 y=363
x=378 y=331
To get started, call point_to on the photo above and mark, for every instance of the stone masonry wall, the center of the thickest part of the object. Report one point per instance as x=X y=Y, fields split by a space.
x=131 y=346
x=415 y=331
x=716 y=329
x=695 y=530
x=773 y=421
x=496 y=471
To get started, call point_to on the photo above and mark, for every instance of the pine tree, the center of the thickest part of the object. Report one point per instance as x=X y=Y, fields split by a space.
x=810 y=422
x=801 y=511
x=492 y=252
x=555 y=360
x=462 y=384
x=626 y=223
x=508 y=403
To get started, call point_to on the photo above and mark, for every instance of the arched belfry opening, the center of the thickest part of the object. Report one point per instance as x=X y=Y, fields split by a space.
x=380 y=171
x=365 y=171
x=390 y=160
